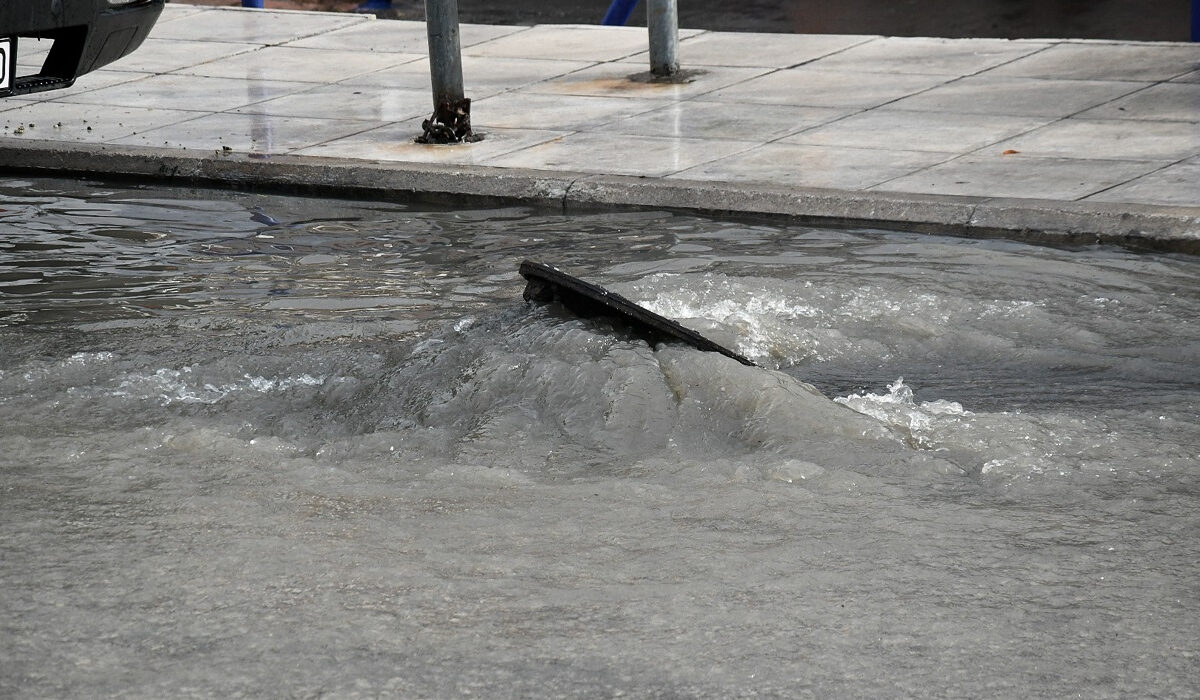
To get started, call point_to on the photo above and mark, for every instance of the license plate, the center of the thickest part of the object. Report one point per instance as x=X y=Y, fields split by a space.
x=8 y=61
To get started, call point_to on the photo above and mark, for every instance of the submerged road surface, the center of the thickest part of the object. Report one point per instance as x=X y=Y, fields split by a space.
x=259 y=446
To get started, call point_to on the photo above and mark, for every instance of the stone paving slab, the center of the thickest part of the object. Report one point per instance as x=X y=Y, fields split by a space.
x=1105 y=61
x=988 y=94
x=1046 y=139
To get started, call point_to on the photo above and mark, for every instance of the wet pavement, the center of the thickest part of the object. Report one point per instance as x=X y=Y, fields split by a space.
x=1078 y=137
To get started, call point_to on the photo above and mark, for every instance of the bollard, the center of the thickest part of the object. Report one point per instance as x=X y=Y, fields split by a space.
x=451 y=121
x=662 y=18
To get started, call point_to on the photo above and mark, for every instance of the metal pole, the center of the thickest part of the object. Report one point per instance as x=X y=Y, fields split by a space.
x=662 y=18
x=445 y=53
x=451 y=120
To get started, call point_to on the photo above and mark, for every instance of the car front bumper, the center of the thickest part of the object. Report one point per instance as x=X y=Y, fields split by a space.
x=87 y=34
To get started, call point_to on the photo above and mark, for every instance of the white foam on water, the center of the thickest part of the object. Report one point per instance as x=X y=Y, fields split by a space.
x=169 y=386
x=920 y=422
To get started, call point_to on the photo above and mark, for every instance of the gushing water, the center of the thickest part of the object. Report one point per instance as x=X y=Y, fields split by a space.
x=269 y=446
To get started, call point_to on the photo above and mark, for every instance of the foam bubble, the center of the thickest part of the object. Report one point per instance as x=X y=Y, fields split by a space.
x=921 y=422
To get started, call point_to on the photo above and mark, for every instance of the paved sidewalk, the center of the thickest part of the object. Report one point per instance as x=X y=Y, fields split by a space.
x=1084 y=139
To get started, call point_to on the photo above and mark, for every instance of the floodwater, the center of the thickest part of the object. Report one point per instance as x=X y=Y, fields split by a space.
x=259 y=446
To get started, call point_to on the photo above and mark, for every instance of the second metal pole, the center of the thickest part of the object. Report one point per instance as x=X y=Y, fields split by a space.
x=451 y=120
x=445 y=54
x=662 y=18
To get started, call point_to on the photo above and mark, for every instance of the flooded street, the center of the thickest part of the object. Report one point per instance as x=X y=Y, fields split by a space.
x=265 y=446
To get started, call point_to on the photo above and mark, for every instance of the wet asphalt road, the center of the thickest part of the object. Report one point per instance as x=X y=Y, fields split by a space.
x=1138 y=20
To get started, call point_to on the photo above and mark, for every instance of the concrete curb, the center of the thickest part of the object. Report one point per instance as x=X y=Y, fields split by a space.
x=1165 y=228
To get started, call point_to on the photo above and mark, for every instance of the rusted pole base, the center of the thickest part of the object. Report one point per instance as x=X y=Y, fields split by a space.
x=679 y=77
x=450 y=123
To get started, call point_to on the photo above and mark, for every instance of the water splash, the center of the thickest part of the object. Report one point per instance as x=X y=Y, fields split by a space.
x=168 y=386
x=922 y=423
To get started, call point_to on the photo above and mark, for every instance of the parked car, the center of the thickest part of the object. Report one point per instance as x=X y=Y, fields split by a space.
x=86 y=34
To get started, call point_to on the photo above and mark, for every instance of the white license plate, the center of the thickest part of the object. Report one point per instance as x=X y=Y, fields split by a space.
x=8 y=61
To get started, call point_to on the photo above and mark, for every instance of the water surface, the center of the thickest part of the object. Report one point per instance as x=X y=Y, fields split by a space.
x=288 y=447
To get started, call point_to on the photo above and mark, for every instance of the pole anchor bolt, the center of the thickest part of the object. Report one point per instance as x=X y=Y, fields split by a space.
x=450 y=123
